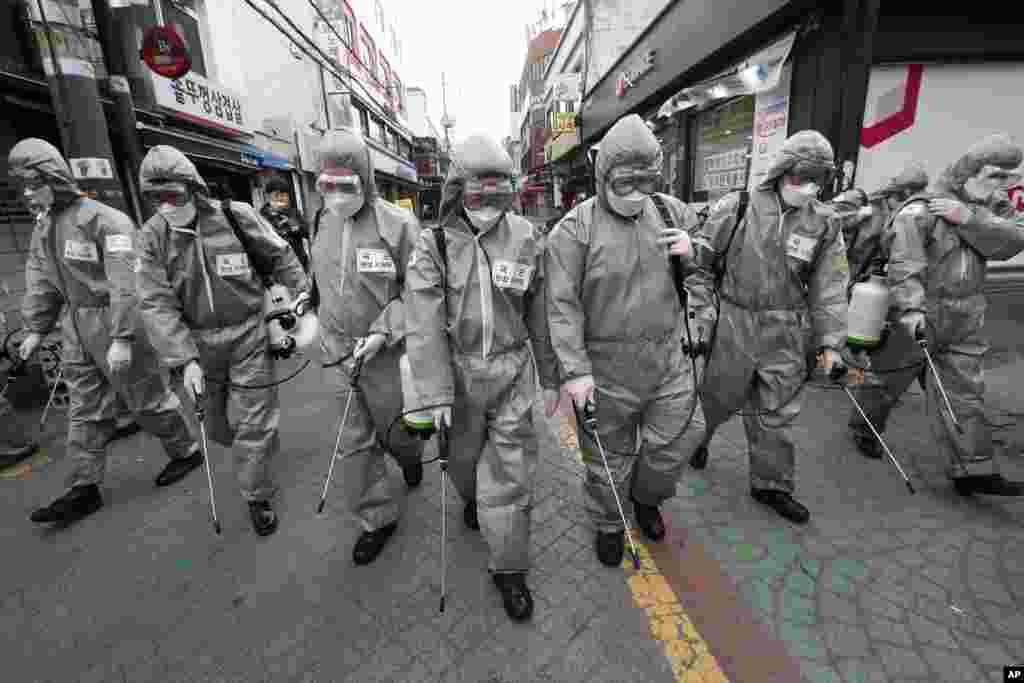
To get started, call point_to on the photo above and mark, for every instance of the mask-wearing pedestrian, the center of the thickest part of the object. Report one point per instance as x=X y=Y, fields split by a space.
x=85 y=283
x=617 y=327
x=937 y=267
x=360 y=256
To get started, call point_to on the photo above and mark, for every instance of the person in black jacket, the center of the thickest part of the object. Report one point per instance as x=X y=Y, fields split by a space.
x=286 y=221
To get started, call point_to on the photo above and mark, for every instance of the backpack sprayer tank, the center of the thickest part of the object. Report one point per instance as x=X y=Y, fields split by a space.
x=419 y=422
x=869 y=305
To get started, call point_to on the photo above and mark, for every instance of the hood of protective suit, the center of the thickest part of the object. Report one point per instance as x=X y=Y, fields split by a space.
x=804 y=151
x=629 y=141
x=347 y=149
x=34 y=154
x=910 y=181
x=996 y=150
x=164 y=164
x=477 y=155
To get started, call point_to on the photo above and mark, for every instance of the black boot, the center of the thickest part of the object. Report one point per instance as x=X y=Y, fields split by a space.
x=264 y=520
x=127 y=429
x=177 y=468
x=77 y=503
x=610 y=548
x=413 y=474
x=650 y=521
x=470 y=518
x=13 y=453
x=515 y=595
x=370 y=544
x=868 y=446
x=699 y=459
x=988 y=484
x=783 y=503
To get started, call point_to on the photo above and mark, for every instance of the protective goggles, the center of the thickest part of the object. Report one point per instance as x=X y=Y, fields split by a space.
x=175 y=194
x=479 y=194
x=339 y=181
x=625 y=182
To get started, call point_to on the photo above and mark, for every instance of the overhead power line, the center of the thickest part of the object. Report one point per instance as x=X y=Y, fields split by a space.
x=324 y=60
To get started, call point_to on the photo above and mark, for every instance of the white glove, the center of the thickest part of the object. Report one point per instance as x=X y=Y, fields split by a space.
x=368 y=347
x=679 y=239
x=912 y=321
x=29 y=345
x=119 y=355
x=442 y=416
x=580 y=389
x=951 y=210
x=194 y=383
x=551 y=397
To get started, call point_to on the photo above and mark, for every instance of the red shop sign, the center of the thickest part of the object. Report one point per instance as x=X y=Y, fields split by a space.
x=165 y=53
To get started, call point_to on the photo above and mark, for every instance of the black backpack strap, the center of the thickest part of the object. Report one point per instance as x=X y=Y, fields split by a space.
x=741 y=216
x=442 y=248
x=262 y=271
x=676 y=261
x=314 y=290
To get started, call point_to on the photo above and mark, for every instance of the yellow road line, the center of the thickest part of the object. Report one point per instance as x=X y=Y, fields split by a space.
x=24 y=468
x=686 y=650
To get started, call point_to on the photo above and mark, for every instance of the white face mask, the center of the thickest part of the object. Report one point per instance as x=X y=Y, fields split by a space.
x=628 y=206
x=800 y=195
x=343 y=204
x=39 y=202
x=178 y=216
x=484 y=218
x=983 y=187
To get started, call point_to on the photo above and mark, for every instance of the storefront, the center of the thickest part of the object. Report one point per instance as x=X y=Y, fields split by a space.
x=397 y=181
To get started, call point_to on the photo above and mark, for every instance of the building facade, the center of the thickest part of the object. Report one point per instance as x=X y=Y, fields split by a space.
x=885 y=84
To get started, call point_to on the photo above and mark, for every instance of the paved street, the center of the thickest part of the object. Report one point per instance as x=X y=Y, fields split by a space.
x=880 y=586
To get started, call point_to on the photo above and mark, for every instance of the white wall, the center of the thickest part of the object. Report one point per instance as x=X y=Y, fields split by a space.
x=417 y=105
x=957 y=106
x=255 y=59
x=616 y=25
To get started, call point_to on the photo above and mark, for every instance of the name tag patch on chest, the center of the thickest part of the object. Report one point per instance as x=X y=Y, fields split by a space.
x=81 y=251
x=118 y=244
x=375 y=261
x=800 y=247
x=232 y=265
x=511 y=275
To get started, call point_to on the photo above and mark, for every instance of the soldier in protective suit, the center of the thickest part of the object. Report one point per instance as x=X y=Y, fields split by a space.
x=783 y=278
x=82 y=255
x=360 y=250
x=618 y=327
x=474 y=309
x=865 y=216
x=939 y=245
x=202 y=300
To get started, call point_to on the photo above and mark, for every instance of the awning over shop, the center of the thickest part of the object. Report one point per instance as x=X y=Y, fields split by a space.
x=758 y=73
x=233 y=156
x=269 y=160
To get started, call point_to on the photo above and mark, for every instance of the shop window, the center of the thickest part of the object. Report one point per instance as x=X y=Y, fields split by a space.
x=723 y=141
x=380 y=131
x=364 y=121
x=348 y=32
